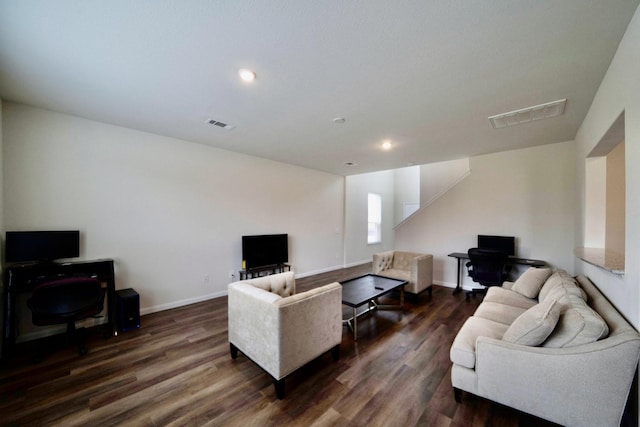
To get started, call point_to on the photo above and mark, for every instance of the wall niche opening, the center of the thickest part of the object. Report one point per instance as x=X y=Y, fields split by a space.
x=605 y=206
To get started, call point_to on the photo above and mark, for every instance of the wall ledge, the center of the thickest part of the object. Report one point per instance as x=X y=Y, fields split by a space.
x=606 y=259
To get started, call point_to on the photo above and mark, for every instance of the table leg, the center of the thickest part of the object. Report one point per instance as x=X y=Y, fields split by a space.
x=355 y=324
x=458 y=284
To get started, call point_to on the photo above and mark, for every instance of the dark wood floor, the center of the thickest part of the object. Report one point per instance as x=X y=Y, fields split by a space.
x=176 y=370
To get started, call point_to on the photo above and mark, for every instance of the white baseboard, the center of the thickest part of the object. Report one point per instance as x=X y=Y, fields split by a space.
x=176 y=304
x=329 y=269
x=449 y=285
x=42 y=332
x=180 y=303
x=445 y=284
x=311 y=273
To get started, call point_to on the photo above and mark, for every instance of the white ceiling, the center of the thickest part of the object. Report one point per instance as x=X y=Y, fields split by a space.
x=424 y=73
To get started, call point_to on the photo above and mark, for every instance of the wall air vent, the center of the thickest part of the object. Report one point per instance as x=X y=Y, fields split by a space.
x=220 y=124
x=529 y=114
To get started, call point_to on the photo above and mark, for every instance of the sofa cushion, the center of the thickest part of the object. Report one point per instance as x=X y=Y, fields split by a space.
x=508 y=297
x=283 y=284
x=534 y=325
x=560 y=283
x=502 y=313
x=382 y=261
x=578 y=324
x=402 y=260
x=559 y=293
x=463 y=349
x=530 y=282
x=396 y=274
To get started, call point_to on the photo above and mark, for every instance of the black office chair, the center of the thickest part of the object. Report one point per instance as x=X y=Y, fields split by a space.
x=487 y=267
x=67 y=301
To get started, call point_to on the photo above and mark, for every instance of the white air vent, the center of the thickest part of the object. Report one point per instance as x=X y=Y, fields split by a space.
x=220 y=124
x=529 y=114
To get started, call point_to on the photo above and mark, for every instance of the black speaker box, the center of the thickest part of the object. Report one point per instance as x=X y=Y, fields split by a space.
x=128 y=302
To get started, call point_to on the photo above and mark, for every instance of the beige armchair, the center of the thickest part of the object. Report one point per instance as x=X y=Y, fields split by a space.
x=280 y=330
x=413 y=267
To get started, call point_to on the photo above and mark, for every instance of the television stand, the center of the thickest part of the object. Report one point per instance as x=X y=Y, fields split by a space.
x=266 y=270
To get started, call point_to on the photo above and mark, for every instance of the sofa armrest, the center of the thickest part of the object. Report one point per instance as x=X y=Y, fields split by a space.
x=282 y=334
x=382 y=261
x=253 y=322
x=310 y=323
x=593 y=380
x=421 y=272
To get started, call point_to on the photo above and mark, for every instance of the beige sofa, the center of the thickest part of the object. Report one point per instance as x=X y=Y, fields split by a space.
x=415 y=268
x=280 y=330
x=552 y=347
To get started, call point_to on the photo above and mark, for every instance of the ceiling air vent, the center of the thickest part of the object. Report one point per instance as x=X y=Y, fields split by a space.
x=220 y=124
x=529 y=114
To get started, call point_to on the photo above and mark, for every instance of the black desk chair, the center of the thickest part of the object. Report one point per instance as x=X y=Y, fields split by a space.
x=67 y=301
x=487 y=267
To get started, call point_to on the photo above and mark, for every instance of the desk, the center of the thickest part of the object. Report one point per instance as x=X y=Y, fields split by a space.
x=23 y=278
x=512 y=261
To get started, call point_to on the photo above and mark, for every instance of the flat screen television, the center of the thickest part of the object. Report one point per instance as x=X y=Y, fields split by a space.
x=503 y=243
x=264 y=250
x=28 y=246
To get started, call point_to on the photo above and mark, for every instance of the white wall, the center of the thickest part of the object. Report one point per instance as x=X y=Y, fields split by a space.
x=169 y=212
x=438 y=178
x=527 y=193
x=357 y=250
x=615 y=226
x=618 y=92
x=1 y=224
x=595 y=202
x=406 y=188
x=1 y=191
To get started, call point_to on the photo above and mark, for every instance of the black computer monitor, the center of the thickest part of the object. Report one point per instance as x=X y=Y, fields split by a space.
x=25 y=246
x=504 y=243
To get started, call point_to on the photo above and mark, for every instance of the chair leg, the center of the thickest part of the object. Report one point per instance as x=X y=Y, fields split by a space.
x=473 y=292
x=335 y=353
x=234 y=351
x=279 y=384
x=457 y=394
x=38 y=355
x=77 y=335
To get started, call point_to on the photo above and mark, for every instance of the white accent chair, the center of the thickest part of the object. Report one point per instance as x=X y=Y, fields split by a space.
x=279 y=330
x=415 y=268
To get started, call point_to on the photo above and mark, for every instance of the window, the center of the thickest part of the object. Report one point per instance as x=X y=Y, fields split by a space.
x=374 y=234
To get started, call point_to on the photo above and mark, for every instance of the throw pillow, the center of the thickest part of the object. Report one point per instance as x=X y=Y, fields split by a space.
x=534 y=325
x=578 y=324
x=530 y=282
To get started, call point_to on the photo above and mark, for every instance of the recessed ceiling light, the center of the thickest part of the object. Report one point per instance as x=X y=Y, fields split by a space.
x=386 y=145
x=339 y=120
x=246 y=75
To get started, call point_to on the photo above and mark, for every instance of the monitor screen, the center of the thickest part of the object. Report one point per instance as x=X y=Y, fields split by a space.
x=24 y=246
x=504 y=243
x=264 y=250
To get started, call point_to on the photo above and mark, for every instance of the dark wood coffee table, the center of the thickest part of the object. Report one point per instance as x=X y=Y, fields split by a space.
x=364 y=290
